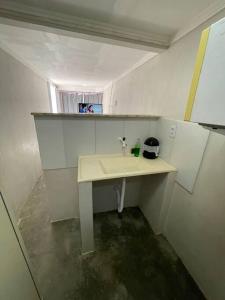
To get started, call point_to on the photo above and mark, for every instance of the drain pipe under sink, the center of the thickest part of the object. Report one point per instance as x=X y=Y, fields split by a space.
x=120 y=196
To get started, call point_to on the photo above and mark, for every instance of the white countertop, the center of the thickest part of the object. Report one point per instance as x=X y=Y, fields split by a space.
x=103 y=167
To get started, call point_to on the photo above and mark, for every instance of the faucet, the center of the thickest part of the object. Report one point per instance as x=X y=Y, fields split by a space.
x=124 y=144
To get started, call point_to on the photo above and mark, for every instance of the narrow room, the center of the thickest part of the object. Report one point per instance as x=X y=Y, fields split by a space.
x=112 y=143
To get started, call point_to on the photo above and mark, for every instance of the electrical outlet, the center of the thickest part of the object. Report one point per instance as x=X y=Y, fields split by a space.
x=173 y=130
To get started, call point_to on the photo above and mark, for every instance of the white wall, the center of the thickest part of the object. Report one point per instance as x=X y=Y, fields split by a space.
x=63 y=139
x=15 y=279
x=22 y=92
x=107 y=100
x=195 y=222
x=161 y=85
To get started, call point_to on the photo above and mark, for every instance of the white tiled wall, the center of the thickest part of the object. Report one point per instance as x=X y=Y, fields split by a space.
x=104 y=196
x=51 y=143
x=107 y=133
x=187 y=154
x=79 y=139
x=62 y=141
x=62 y=193
x=134 y=129
x=162 y=132
x=184 y=151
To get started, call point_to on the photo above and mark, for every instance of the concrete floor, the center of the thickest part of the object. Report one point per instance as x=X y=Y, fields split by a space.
x=130 y=262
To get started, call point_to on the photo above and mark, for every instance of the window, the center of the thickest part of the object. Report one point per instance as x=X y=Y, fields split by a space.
x=69 y=101
x=52 y=90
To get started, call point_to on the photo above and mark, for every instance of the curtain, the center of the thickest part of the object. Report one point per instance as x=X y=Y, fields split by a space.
x=69 y=100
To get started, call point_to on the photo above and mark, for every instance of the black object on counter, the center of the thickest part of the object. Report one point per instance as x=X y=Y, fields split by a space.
x=151 y=148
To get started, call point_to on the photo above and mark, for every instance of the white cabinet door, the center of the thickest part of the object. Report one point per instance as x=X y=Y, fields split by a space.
x=15 y=278
x=209 y=104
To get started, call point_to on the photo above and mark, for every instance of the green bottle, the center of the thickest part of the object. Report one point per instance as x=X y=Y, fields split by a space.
x=137 y=148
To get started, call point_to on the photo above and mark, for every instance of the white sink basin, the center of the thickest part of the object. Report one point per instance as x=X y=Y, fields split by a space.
x=109 y=166
x=123 y=164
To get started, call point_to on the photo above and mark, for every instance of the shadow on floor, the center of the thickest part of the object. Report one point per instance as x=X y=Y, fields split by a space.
x=130 y=262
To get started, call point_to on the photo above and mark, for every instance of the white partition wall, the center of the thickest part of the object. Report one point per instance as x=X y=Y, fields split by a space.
x=62 y=139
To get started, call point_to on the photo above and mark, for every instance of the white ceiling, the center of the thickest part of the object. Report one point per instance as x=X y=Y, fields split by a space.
x=68 y=61
x=159 y=16
x=74 y=62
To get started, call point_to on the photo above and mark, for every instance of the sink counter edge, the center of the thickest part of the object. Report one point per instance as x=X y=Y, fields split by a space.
x=89 y=168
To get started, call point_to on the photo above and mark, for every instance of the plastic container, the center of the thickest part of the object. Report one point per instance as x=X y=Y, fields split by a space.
x=137 y=148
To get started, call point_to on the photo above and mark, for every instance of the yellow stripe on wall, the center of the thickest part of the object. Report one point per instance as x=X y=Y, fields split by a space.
x=197 y=72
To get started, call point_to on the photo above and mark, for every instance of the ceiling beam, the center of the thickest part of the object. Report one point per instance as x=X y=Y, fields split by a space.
x=209 y=12
x=85 y=28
